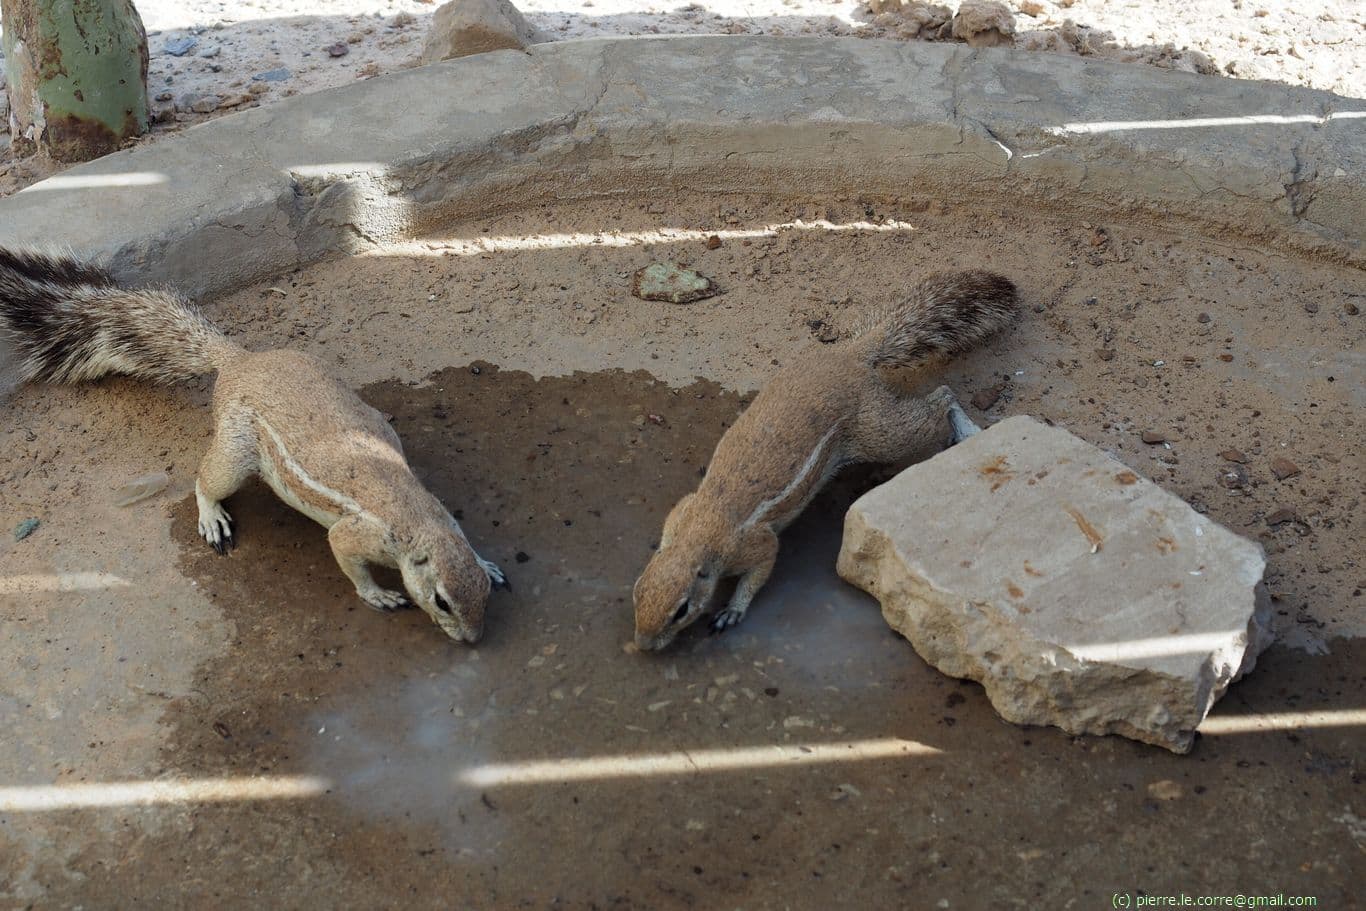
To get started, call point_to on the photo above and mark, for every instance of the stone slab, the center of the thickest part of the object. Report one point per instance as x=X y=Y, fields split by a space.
x=1077 y=593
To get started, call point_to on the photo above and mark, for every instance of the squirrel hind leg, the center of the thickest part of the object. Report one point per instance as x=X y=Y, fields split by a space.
x=959 y=422
x=892 y=429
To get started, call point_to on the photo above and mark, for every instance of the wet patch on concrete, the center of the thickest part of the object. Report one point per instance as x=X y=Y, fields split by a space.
x=575 y=475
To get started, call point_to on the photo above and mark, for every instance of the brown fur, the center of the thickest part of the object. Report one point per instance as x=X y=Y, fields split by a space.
x=278 y=414
x=831 y=408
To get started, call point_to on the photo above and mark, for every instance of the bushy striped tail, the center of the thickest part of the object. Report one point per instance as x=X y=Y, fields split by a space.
x=70 y=322
x=946 y=314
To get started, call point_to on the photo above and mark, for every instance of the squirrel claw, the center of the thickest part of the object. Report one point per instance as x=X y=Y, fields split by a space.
x=218 y=535
x=725 y=619
x=386 y=602
x=497 y=578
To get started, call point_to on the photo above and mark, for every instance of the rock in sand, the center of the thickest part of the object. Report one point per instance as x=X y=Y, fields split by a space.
x=673 y=283
x=1077 y=593
x=464 y=27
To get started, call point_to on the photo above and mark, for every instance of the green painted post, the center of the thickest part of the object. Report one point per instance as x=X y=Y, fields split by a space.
x=77 y=75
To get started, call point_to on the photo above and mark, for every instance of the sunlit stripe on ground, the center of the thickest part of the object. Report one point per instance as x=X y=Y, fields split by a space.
x=689 y=762
x=475 y=246
x=34 y=583
x=82 y=795
x=1282 y=721
x=1117 y=126
x=98 y=181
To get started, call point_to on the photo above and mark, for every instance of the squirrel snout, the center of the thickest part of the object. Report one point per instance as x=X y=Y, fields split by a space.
x=653 y=643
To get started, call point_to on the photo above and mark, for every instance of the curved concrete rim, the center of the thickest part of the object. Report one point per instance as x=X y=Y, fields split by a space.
x=255 y=193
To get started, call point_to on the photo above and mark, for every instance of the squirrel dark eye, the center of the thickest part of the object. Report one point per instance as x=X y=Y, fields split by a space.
x=702 y=573
x=681 y=612
x=420 y=561
x=442 y=605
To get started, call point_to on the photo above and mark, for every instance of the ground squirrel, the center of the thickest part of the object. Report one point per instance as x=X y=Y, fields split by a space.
x=277 y=414
x=828 y=409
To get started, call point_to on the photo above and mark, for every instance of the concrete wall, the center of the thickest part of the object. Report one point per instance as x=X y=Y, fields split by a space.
x=248 y=195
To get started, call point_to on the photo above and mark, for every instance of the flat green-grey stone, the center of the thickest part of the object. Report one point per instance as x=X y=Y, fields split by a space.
x=671 y=282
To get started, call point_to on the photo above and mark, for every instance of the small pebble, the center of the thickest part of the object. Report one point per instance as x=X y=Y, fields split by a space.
x=1202 y=318
x=845 y=791
x=279 y=75
x=1283 y=468
x=179 y=47
x=1234 y=478
x=1165 y=790
x=673 y=283
x=1105 y=354
x=1311 y=307
x=340 y=49
x=1282 y=515
x=1233 y=455
x=26 y=528
x=1153 y=437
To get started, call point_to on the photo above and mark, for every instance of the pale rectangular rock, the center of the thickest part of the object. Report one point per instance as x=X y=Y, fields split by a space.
x=1077 y=593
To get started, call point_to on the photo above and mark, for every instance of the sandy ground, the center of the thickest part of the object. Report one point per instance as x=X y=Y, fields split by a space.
x=231 y=51
x=521 y=375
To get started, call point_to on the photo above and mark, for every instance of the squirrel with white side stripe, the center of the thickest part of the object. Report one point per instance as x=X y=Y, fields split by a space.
x=277 y=414
x=832 y=409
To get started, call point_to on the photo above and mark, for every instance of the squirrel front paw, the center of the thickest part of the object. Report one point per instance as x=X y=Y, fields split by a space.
x=496 y=576
x=215 y=527
x=383 y=600
x=725 y=619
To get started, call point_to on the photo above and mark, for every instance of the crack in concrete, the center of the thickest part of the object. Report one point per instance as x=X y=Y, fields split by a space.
x=1301 y=189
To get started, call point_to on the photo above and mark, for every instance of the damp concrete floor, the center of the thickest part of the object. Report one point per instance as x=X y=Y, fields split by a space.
x=314 y=753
